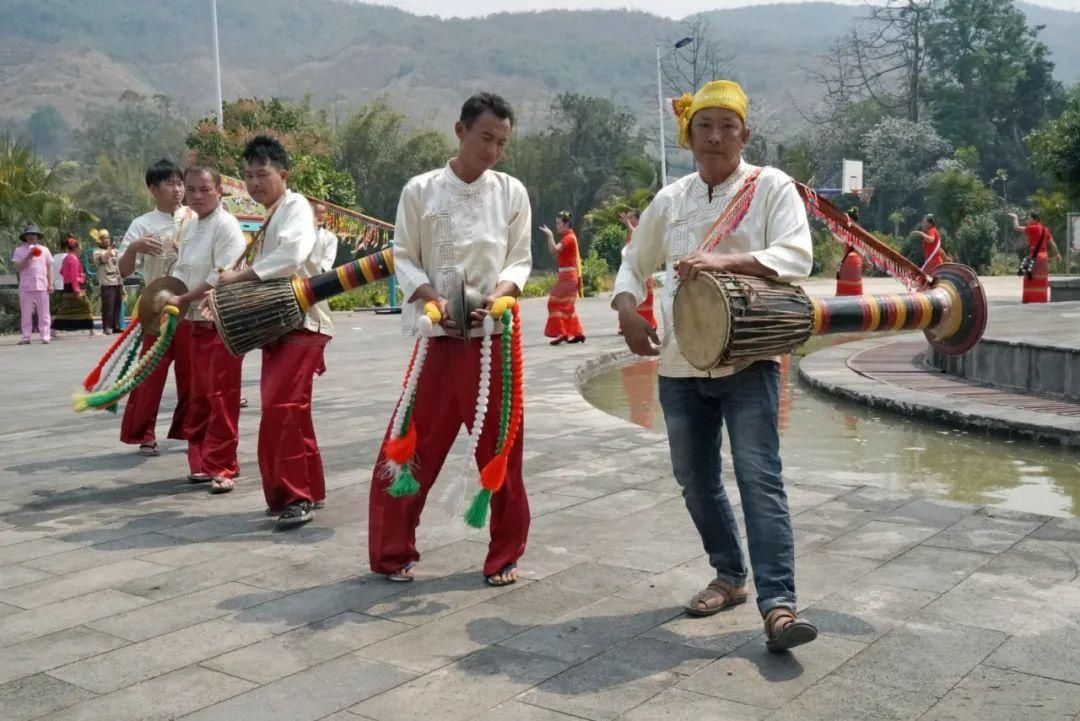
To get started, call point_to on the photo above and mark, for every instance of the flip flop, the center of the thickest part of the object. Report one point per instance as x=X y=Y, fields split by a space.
x=221 y=485
x=199 y=478
x=148 y=449
x=493 y=581
x=402 y=576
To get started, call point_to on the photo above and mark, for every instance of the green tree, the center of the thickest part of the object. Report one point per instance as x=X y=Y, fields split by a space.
x=115 y=190
x=31 y=191
x=954 y=193
x=303 y=131
x=139 y=129
x=380 y=153
x=1056 y=147
x=48 y=131
x=976 y=238
x=899 y=155
x=990 y=82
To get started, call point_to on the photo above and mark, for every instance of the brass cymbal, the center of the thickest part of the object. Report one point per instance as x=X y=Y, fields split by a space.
x=153 y=300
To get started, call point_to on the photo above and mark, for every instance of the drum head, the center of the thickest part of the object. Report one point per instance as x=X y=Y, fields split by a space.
x=153 y=300
x=702 y=313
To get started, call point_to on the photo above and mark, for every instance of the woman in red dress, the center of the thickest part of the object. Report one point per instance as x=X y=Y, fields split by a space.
x=563 y=323
x=933 y=253
x=645 y=310
x=1035 y=268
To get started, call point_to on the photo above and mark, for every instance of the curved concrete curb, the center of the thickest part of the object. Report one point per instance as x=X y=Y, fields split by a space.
x=827 y=371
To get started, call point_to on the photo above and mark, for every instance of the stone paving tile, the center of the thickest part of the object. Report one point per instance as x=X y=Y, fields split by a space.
x=304 y=647
x=315 y=604
x=1009 y=605
x=754 y=676
x=201 y=576
x=309 y=695
x=518 y=711
x=926 y=568
x=938 y=513
x=819 y=574
x=866 y=612
x=840 y=699
x=95 y=556
x=675 y=704
x=923 y=658
x=419 y=603
x=448 y=638
x=986 y=532
x=721 y=633
x=1041 y=562
x=47 y=652
x=880 y=541
x=145 y=660
x=34 y=696
x=111 y=575
x=589 y=631
x=19 y=575
x=989 y=694
x=1059 y=529
x=463 y=689
x=31 y=549
x=597 y=578
x=1054 y=655
x=159 y=699
x=616 y=681
x=72 y=612
x=183 y=611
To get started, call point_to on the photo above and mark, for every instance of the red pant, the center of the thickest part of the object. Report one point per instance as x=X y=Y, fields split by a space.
x=140 y=413
x=213 y=416
x=289 y=459
x=446 y=398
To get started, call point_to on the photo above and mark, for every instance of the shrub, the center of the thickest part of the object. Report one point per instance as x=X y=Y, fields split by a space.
x=539 y=286
x=596 y=276
x=608 y=243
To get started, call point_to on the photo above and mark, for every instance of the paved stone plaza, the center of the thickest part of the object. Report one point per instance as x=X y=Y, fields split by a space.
x=126 y=593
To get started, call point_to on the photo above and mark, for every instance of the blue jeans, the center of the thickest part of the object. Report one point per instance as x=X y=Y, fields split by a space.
x=695 y=410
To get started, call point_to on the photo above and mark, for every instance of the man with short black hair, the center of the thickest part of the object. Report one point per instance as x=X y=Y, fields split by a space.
x=211 y=241
x=150 y=247
x=462 y=222
x=289 y=459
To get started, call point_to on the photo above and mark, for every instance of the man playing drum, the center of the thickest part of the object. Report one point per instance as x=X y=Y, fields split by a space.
x=761 y=227
x=286 y=245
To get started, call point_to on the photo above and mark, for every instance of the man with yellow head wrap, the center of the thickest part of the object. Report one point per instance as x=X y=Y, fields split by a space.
x=763 y=232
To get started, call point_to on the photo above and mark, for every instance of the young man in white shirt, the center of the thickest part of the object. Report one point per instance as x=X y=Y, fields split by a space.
x=212 y=241
x=462 y=218
x=289 y=459
x=328 y=242
x=141 y=250
x=772 y=240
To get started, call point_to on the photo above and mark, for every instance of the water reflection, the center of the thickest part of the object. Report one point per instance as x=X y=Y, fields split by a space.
x=824 y=440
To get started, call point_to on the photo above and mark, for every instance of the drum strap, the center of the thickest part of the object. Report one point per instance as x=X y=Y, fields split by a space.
x=253 y=248
x=732 y=214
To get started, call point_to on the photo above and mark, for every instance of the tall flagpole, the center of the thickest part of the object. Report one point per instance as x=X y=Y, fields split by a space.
x=660 y=105
x=217 y=67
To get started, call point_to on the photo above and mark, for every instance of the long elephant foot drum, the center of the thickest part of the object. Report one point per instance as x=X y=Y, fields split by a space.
x=722 y=318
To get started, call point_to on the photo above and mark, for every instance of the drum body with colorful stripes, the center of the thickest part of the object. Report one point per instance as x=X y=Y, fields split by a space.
x=251 y=314
x=722 y=318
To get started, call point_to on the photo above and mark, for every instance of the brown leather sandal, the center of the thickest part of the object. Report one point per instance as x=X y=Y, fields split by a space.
x=716 y=597
x=784 y=630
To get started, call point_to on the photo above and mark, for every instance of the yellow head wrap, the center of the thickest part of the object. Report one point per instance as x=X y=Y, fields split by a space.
x=723 y=94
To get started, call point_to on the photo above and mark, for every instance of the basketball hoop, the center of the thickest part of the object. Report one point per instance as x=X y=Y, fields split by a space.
x=864 y=195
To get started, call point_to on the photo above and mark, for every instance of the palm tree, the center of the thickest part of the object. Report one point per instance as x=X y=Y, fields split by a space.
x=30 y=191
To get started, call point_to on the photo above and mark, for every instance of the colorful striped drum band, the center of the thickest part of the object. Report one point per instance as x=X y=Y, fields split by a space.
x=367 y=269
x=913 y=311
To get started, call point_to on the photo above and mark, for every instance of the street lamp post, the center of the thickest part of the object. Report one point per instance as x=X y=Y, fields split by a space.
x=660 y=104
x=217 y=67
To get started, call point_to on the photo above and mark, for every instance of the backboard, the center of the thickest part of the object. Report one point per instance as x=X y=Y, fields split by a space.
x=852 y=176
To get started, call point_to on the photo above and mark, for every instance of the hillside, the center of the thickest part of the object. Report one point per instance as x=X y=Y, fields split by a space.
x=80 y=55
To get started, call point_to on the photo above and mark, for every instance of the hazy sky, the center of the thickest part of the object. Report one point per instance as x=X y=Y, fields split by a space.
x=669 y=8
